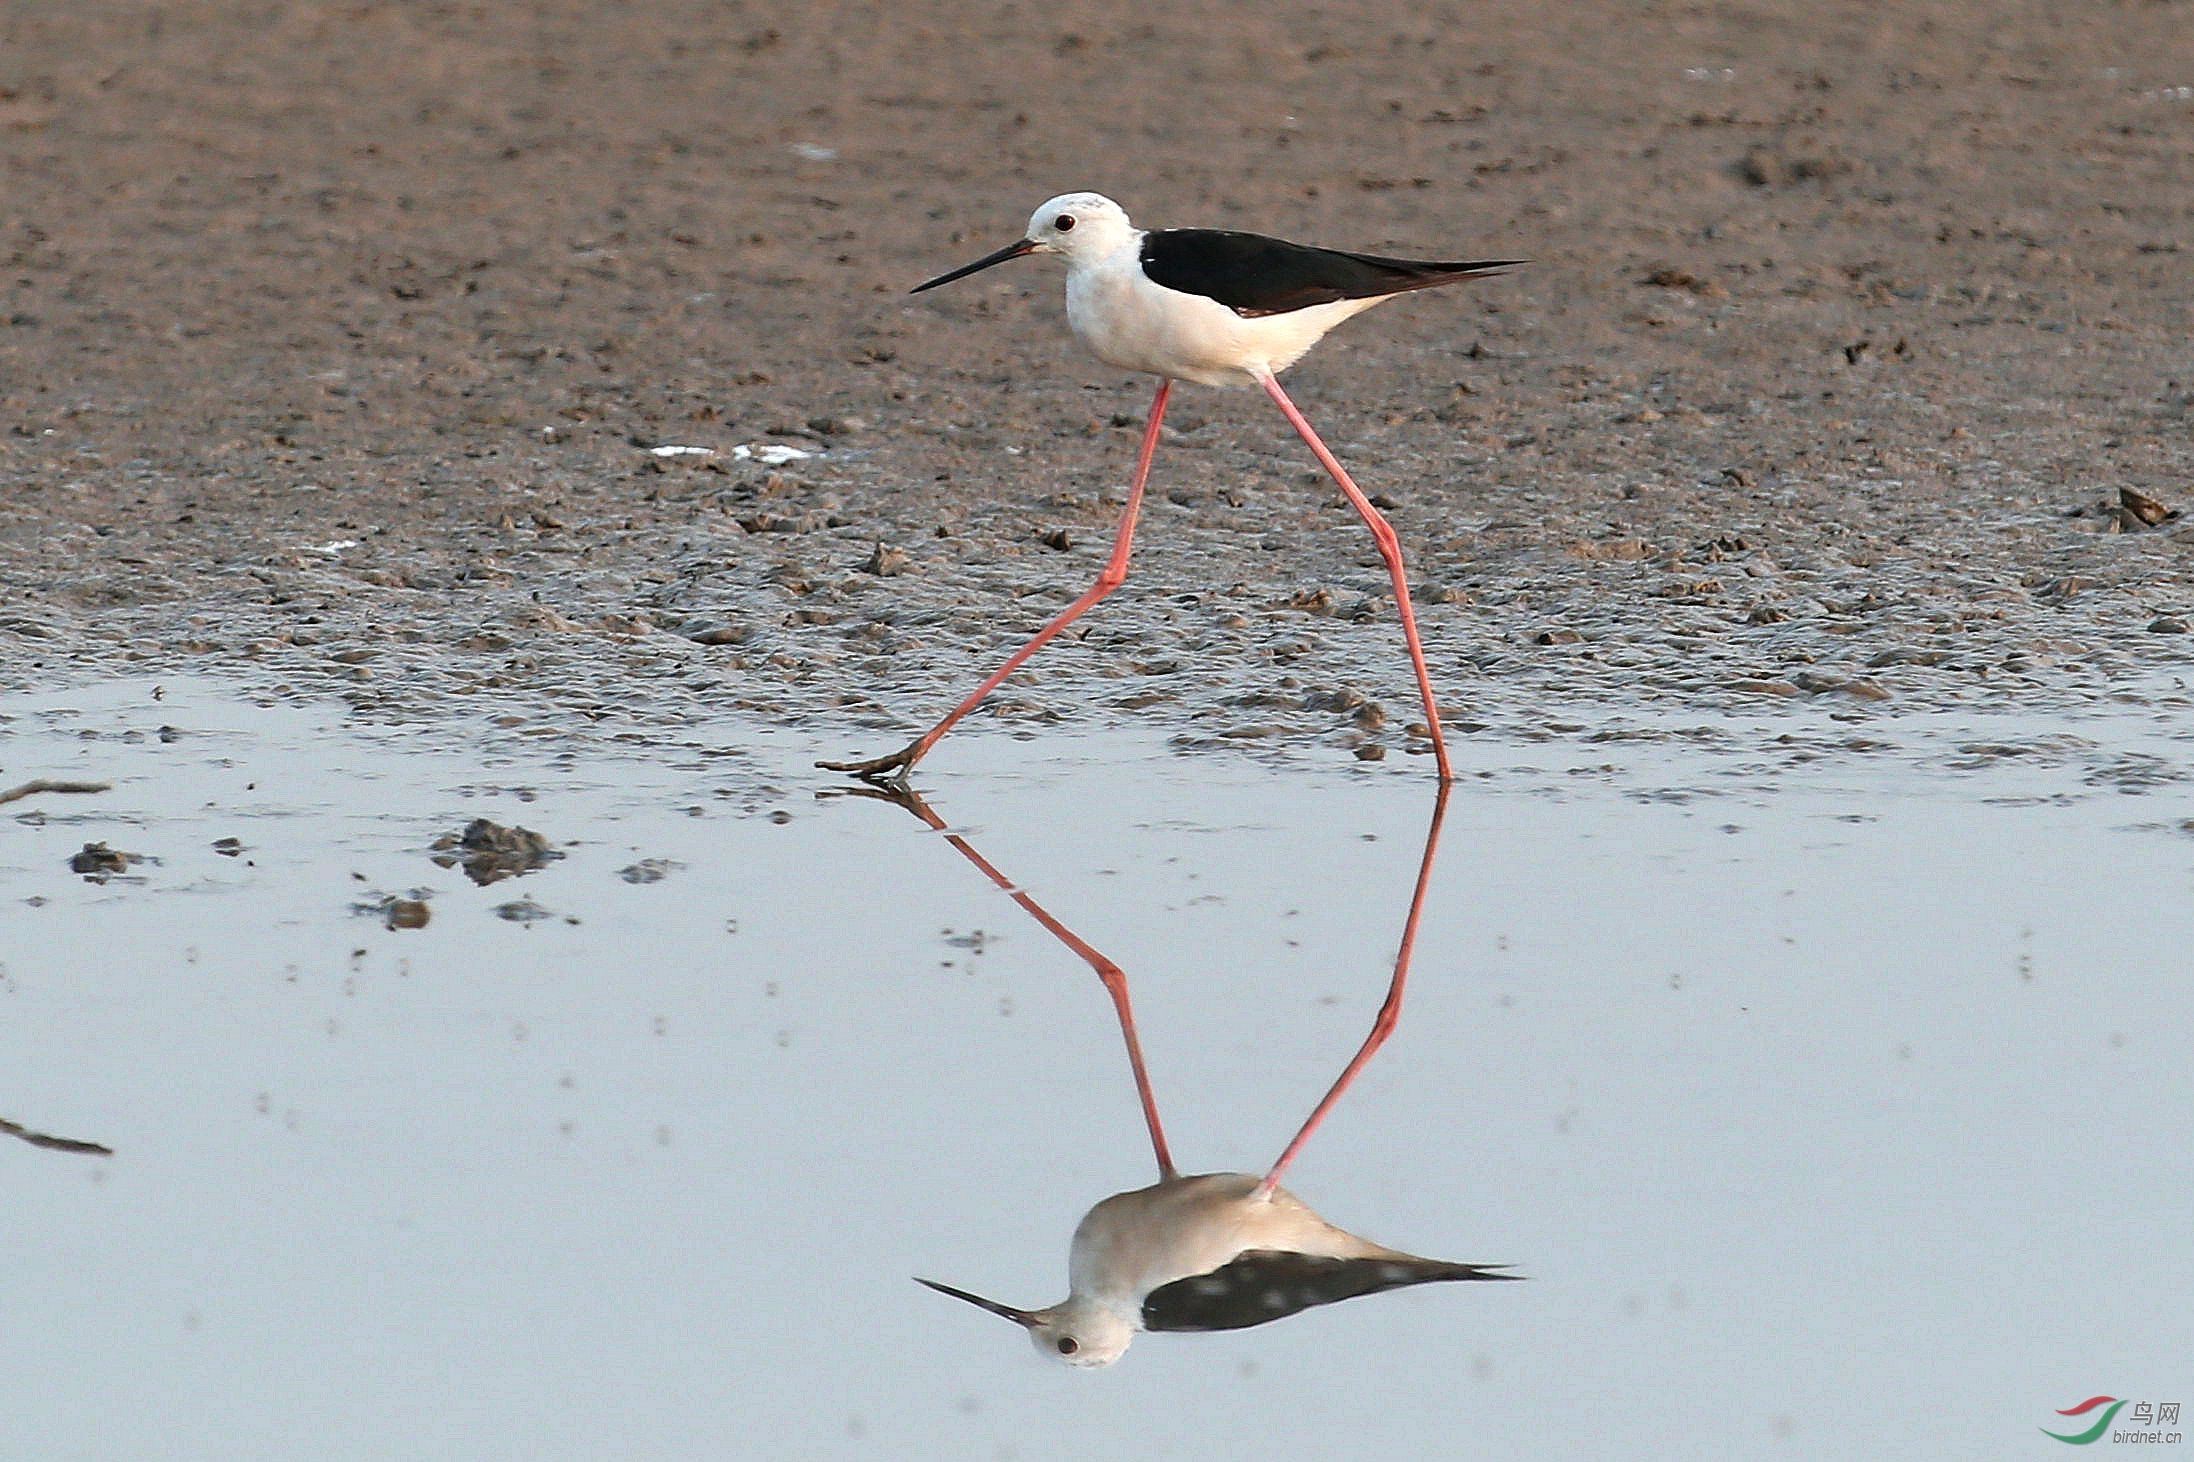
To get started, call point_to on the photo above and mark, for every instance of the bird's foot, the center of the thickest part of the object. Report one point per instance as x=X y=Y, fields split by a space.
x=881 y=771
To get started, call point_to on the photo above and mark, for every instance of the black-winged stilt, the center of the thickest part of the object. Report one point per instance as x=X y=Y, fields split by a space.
x=1207 y=1251
x=1218 y=308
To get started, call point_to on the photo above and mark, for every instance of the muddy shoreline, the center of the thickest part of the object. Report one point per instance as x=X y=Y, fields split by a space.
x=334 y=347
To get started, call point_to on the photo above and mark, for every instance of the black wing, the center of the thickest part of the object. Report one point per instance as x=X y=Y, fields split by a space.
x=1254 y=275
x=1268 y=1284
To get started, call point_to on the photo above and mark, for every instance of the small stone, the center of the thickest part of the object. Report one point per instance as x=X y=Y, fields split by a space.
x=1557 y=637
x=408 y=914
x=2058 y=591
x=489 y=852
x=885 y=562
x=1669 y=277
x=2144 y=509
x=1610 y=550
x=2169 y=624
x=98 y=862
x=1055 y=539
x=1816 y=683
x=1371 y=751
x=1763 y=169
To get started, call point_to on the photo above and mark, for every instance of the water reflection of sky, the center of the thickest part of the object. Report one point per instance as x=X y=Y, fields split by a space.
x=1832 y=1108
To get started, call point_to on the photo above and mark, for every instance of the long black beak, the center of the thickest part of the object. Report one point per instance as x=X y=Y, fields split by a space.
x=1018 y=1317
x=1011 y=251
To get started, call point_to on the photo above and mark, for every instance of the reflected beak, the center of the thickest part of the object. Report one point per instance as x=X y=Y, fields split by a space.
x=1011 y=251
x=1018 y=1317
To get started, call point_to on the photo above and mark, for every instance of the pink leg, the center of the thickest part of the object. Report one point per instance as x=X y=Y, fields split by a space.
x=1115 y=982
x=1390 y=549
x=1114 y=978
x=1114 y=575
x=1389 y=1014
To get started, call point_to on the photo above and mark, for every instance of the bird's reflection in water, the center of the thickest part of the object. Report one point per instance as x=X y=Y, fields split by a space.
x=1206 y=1251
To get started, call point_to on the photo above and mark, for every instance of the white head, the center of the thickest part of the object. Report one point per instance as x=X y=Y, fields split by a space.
x=1078 y=225
x=1077 y=1331
x=1088 y=225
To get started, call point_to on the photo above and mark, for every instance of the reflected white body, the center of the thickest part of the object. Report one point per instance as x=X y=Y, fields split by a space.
x=1130 y=322
x=1132 y=1243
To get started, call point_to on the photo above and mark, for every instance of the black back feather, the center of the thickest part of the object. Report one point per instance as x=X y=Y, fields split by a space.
x=1270 y=1284
x=1254 y=275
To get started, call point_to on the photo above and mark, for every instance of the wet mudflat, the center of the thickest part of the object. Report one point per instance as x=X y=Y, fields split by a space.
x=1827 y=1083
x=439 y=354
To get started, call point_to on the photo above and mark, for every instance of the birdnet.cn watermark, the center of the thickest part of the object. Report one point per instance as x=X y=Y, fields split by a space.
x=2154 y=1423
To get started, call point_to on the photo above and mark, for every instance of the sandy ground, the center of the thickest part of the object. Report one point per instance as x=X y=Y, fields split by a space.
x=333 y=339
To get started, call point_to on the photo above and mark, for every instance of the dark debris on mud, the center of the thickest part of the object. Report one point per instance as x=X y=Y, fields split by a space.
x=51 y=1143
x=489 y=852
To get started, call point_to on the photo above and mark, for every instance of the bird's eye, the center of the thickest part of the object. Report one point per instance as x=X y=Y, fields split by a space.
x=1067 y=1345
x=1063 y=222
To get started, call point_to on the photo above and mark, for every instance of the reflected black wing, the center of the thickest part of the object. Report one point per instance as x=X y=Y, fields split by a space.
x=1268 y=1284
x=1254 y=275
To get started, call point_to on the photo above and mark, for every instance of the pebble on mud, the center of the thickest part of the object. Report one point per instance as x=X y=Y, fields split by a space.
x=885 y=562
x=2144 y=510
x=1670 y=277
x=489 y=852
x=407 y=914
x=1772 y=168
x=98 y=862
x=1858 y=688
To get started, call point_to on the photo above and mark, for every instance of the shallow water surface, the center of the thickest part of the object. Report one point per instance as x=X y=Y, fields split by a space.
x=1833 y=1101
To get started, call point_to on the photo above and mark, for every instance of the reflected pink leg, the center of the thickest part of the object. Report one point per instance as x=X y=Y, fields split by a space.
x=1114 y=978
x=1389 y=1014
x=1390 y=549
x=1114 y=575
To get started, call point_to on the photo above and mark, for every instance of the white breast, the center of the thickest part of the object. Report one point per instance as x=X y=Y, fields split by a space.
x=1129 y=322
